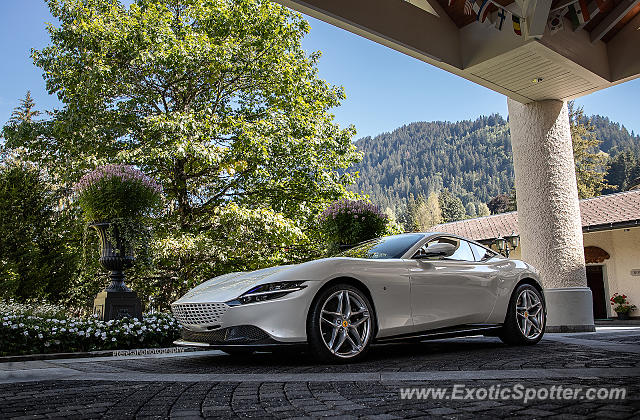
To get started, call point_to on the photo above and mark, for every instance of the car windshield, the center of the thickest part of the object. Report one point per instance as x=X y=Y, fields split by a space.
x=384 y=248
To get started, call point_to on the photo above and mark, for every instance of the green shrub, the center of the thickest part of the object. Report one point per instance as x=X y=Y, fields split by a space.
x=621 y=304
x=122 y=196
x=37 y=243
x=347 y=222
x=114 y=192
x=39 y=328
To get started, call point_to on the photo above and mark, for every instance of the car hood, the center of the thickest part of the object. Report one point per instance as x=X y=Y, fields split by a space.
x=230 y=286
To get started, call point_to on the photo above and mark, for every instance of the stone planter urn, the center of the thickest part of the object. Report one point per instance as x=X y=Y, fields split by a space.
x=117 y=300
x=623 y=315
x=113 y=258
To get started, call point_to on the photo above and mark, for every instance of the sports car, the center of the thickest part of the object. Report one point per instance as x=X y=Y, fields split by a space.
x=413 y=286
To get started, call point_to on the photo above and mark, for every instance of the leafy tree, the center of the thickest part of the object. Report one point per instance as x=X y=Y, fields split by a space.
x=348 y=222
x=471 y=158
x=483 y=210
x=471 y=209
x=393 y=226
x=23 y=115
x=61 y=224
x=408 y=218
x=36 y=255
x=623 y=168
x=428 y=213
x=590 y=162
x=501 y=203
x=26 y=111
x=615 y=137
x=421 y=213
x=513 y=199
x=216 y=100
x=452 y=207
x=391 y=215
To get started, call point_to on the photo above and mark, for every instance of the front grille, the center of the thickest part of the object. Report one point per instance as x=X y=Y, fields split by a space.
x=244 y=334
x=204 y=337
x=199 y=314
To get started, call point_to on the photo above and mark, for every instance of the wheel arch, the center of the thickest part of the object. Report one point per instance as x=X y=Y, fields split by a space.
x=502 y=305
x=533 y=283
x=530 y=281
x=513 y=335
x=352 y=281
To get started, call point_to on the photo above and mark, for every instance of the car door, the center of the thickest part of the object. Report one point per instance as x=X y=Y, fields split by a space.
x=388 y=283
x=379 y=265
x=450 y=291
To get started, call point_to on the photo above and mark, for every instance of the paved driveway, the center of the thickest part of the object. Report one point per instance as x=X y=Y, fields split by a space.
x=468 y=373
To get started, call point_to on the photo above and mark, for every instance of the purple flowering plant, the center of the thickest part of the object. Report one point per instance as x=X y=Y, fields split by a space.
x=347 y=222
x=116 y=192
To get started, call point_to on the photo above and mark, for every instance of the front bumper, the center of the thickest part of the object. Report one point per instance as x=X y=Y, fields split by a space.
x=255 y=347
x=240 y=336
x=283 y=320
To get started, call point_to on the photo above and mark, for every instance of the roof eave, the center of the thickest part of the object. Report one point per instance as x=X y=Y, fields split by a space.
x=611 y=226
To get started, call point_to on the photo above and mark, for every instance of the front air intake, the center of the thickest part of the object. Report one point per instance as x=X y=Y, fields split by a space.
x=200 y=315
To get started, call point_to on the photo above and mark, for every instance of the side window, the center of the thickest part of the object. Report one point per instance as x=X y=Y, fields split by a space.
x=463 y=251
x=481 y=253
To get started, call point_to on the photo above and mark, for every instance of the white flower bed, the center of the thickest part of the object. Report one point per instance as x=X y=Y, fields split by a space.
x=44 y=328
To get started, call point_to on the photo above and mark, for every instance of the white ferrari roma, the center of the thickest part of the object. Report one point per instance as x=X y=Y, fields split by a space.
x=405 y=287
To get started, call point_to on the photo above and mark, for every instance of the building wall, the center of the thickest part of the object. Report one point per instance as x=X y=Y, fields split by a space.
x=623 y=247
x=515 y=254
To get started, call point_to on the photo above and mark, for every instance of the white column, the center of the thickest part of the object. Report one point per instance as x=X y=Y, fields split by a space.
x=549 y=212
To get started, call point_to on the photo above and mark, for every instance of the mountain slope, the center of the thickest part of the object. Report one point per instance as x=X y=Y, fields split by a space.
x=470 y=158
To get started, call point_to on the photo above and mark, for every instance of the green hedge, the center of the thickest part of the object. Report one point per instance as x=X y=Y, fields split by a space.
x=43 y=328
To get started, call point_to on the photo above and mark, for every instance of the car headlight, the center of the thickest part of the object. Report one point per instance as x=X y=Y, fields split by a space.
x=267 y=291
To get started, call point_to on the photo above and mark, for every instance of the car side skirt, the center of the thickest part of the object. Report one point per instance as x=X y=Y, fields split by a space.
x=448 y=332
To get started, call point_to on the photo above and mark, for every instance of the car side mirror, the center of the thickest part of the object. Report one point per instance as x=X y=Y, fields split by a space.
x=438 y=250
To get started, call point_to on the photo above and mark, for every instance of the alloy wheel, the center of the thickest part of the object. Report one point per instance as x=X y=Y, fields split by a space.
x=345 y=323
x=530 y=314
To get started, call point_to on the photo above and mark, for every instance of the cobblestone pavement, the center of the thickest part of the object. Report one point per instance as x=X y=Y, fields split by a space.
x=211 y=384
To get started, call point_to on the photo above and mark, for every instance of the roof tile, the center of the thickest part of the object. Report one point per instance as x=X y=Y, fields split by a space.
x=606 y=209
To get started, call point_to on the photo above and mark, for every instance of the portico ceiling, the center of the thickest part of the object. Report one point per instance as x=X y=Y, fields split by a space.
x=529 y=50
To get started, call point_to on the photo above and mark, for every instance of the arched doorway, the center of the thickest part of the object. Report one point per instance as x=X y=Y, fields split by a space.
x=595 y=256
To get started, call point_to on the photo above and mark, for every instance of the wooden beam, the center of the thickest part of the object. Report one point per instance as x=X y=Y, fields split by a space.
x=622 y=48
x=562 y=4
x=398 y=24
x=537 y=16
x=593 y=9
x=612 y=18
x=430 y=36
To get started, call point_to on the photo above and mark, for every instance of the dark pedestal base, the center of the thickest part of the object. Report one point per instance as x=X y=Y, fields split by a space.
x=110 y=305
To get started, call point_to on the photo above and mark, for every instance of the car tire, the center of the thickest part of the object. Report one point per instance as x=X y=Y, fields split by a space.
x=526 y=317
x=340 y=338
